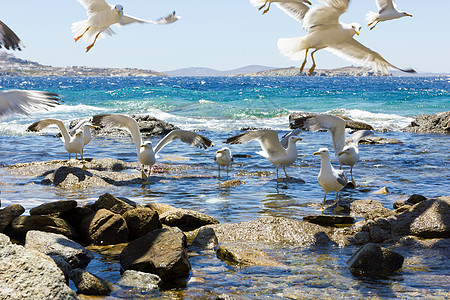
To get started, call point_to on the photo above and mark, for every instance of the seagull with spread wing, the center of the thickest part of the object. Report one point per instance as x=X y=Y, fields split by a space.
x=262 y=3
x=8 y=38
x=324 y=31
x=146 y=153
x=25 y=101
x=387 y=10
x=101 y=15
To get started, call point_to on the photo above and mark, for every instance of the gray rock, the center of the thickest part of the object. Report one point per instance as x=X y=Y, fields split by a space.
x=141 y=280
x=141 y=221
x=4 y=240
x=160 y=208
x=205 y=239
x=378 y=140
x=161 y=252
x=53 y=207
x=28 y=274
x=297 y=120
x=243 y=254
x=186 y=219
x=89 y=284
x=113 y=204
x=370 y=209
x=104 y=228
x=23 y=224
x=438 y=123
x=56 y=244
x=374 y=261
x=8 y=214
x=63 y=265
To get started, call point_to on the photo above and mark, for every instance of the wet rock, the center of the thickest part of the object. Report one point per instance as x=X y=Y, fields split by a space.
x=23 y=224
x=231 y=183
x=329 y=220
x=243 y=254
x=399 y=203
x=113 y=204
x=205 y=239
x=56 y=244
x=141 y=221
x=374 y=261
x=438 y=123
x=54 y=207
x=104 y=228
x=186 y=219
x=141 y=280
x=161 y=252
x=28 y=274
x=370 y=209
x=414 y=199
x=8 y=214
x=74 y=178
x=379 y=230
x=89 y=284
x=160 y=208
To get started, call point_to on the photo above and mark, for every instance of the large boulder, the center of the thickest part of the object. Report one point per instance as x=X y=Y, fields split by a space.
x=23 y=224
x=54 y=207
x=104 y=228
x=161 y=252
x=141 y=221
x=186 y=219
x=8 y=214
x=113 y=204
x=438 y=123
x=29 y=274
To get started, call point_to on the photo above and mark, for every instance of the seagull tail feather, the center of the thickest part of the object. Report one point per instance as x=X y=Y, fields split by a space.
x=294 y=48
x=371 y=17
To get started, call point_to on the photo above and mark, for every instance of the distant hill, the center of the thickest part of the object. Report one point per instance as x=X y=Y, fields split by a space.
x=200 y=71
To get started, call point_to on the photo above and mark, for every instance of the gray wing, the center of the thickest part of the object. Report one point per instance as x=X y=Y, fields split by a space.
x=267 y=138
x=296 y=11
x=120 y=121
x=334 y=124
x=188 y=137
x=39 y=125
x=357 y=136
x=8 y=38
x=285 y=139
x=23 y=101
x=341 y=177
x=383 y=5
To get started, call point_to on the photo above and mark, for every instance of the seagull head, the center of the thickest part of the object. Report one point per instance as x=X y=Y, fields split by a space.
x=323 y=152
x=119 y=9
x=294 y=139
x=405 y=14
x=147 y=145
x=79 y=133
x=356 y=27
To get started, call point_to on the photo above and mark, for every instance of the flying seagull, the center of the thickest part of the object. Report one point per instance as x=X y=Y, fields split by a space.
x=25 y=101
x=8 y=38
x=387 y=10
x=324 y=31
x=296 y=3
x=272 y=148
x=329 y=178
x=101 y=15
x=146 y=153
x=223 y=158
x=346 y=149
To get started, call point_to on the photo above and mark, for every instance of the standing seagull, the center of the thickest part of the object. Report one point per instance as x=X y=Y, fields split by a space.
x=86 y=127
x=101 y=15
x=25 y=101
x=329 y=178
x=324 y=31
x=223 y=158
x=72 y=143
x=262 y=3
x=146 y=153
x=346 y=150
x=8 y=38
x=387 y=10
x=271 y=147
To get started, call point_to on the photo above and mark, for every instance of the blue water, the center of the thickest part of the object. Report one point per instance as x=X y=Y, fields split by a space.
x=218 y=108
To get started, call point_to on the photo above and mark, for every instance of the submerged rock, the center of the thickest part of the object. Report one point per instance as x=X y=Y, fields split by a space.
x=89 y=284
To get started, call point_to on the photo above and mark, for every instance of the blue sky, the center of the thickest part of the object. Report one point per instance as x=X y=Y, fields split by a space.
x=222 y=35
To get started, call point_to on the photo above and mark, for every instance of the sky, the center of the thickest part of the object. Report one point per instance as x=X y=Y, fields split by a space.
x=222 y=35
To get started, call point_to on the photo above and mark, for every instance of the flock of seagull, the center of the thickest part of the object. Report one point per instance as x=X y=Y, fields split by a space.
x=324 y=31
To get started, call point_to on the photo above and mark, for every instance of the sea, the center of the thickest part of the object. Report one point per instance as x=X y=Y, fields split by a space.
x=221 y=107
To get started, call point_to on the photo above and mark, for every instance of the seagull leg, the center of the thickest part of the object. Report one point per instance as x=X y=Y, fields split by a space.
x=304 y=61
x=262 y=6
x=227 y=171
x=219 y=172
x=311 y=70
x=287 y=176
x=338 y=208
x=374 y=22
x=79 y=37
x=92 y=45
x=268 y=7
x=351 y=174
x=277 y=174
x=323 y=203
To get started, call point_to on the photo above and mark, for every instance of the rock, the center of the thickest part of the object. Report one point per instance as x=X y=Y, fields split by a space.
x=140 y=280
x=297 y=120
x=63 y=265
x=370 y=209
x=89 y=284
x=28 y=274
x=379 y=230
x=186 y=219
x=56 y=244
x=160 y=208
x=242 y=254
x=161 y=252
x=232 y=183
x=141 y=221
x=378 y=140
x=438 y=123
x=399 y=203
x=76 y=216
x=356 y=125
x=8 y=214
x=205 y=239
x=111 y=203
x=104 y=228
x=53 y=207
x=328 y=220
x=383 y=191
x=414 y=199
x=23 y=224
x=74 y=178
x=374 y=261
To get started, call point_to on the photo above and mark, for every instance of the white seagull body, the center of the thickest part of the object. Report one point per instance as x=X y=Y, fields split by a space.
x=387 y=10
x=86 y=127
x=8 y=39
x=223 y=158
x=295 y=3
x=146 y=153
x=329 y=178
x=346 y=150
x=324 y=31
x=101 y=15
x=25 y=101
x=271 y=147
x=72 y=143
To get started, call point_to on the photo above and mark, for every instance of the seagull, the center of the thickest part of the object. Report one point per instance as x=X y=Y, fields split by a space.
x=387 y=10
x=146 y=153
x=223 y=158
x=101 y=15
x=25 y=101
x=263 y=3
x=8 y=38
x=324 y=31
x=346 y=150
x=73 y=143
x=329 y=178
x=272 y=148
x=86 y=127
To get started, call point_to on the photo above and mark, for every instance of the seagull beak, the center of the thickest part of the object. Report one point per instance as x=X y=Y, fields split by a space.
x=316 y=153
x=306 y=1
x=357 y=31
x=409 y=15
x=340 y=153
x=96 y=127
x=143 y=145
x=298 y=139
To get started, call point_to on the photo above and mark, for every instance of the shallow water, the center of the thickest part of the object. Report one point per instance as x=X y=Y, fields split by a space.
x=219 y=108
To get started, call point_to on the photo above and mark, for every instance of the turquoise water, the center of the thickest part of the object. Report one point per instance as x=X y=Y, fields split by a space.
x=218 y=108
